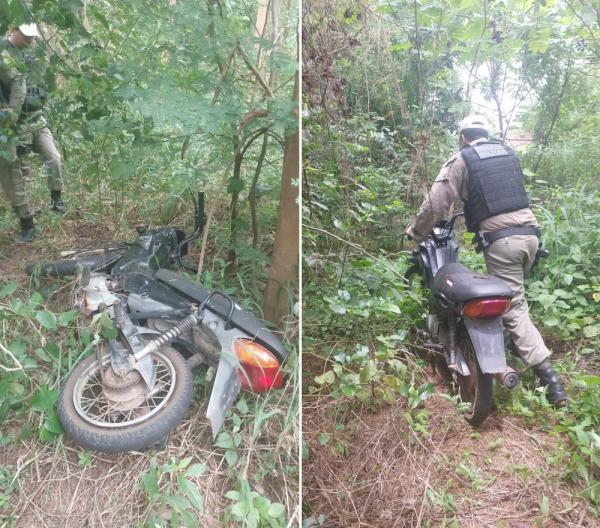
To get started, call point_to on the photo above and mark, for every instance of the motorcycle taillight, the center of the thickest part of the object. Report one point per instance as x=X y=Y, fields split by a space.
x=485 y=308
x=259 y=369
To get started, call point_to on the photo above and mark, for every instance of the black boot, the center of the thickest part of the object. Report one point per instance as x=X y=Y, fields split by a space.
x=57 y=205
x=27 y=230
x=549 y=378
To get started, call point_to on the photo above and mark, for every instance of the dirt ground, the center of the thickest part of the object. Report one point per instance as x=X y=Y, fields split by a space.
x=376 y=471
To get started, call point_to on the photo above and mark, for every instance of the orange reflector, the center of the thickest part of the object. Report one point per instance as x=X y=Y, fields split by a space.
x=485 y=308
x=259 y=368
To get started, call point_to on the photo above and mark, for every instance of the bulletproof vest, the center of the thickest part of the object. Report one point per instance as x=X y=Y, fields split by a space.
x=495 y=183
x=35 y=96
x=4 y=90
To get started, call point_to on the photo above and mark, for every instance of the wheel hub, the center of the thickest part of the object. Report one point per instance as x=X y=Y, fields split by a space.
x=114 y=382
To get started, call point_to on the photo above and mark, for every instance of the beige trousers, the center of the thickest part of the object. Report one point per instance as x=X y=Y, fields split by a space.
x=510 y=259
x=13 y=183
x=43 y=144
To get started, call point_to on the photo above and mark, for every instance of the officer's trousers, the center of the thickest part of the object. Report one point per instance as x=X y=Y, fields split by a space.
x=43 y=144
x=510 y=259
x=11 y=174
x=12 y=181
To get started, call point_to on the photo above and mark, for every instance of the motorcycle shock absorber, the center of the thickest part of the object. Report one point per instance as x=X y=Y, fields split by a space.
x=181 y=327
x=452 y=340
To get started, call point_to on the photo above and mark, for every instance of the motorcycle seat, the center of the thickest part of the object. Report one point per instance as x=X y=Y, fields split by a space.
x=460 y=284
x=240 y=318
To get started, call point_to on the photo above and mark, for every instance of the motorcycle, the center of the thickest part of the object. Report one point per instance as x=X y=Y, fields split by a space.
x=136 y=386
x=465 y=320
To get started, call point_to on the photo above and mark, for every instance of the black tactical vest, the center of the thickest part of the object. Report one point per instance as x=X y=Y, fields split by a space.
x=4 y=93
x=495 y=183
x=36 y=96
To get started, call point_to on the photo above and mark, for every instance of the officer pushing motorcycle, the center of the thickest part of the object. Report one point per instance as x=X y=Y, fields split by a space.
x=487 y=176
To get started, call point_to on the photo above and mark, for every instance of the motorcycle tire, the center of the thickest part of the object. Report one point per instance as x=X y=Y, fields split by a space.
x=477 y=388
x=111 y=438
x=69 y=267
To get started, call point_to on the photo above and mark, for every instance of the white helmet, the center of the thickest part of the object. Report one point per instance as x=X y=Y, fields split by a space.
x=474 y=122
x=29 y=30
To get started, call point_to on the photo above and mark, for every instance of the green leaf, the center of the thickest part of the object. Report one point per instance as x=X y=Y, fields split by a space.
x=545 y=506
x=225 y=440
x=324 y=438
x=8 y=289
x=52 y=424
x=235 y=185
x=337 y=308
x=390 y=307
x=326 y=378
x=46 y=319
x=195 y=497
x=242 y=406
x=196 y=470
x=276 y=509
x=368 y=371
x=179 y=502
x=231 y=457
x=66 y=318
x=591 y=330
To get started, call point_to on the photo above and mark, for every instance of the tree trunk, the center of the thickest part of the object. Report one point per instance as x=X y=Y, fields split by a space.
x=284 y=265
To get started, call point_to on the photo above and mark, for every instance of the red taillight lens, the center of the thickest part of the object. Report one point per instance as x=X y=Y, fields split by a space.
x=483 y=308
x=259 y=369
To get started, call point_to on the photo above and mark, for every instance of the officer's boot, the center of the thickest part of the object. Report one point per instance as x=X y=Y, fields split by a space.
x=27 y=232
x=57 y=205
x=549 y=378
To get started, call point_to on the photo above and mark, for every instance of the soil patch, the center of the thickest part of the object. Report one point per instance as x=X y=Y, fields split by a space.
x=502 y=475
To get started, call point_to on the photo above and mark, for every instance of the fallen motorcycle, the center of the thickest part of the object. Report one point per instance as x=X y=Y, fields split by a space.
x=136 y=386
x=465 y=320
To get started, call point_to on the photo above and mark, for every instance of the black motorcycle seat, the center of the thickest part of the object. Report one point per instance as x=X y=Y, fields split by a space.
x=240 y=318
x=460 y=284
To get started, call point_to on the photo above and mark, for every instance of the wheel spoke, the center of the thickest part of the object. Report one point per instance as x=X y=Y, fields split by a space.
x=94 y=405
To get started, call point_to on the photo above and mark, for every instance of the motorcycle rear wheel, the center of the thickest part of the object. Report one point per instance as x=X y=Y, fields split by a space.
x=477 y=388
x=100 y=424
x=66 y=267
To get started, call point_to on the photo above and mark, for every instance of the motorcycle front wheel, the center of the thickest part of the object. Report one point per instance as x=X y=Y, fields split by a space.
x=111 y=414
x=476 y=388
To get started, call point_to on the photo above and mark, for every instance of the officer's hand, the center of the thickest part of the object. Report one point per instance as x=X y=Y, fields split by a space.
x=9 y=117
x=408 y=233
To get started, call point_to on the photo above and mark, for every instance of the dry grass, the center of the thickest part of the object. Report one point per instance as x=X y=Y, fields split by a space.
x=55 y=491
x=55 y=488
x=391 y=476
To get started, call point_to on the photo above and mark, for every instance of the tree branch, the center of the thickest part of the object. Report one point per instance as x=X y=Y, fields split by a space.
x=359 y=248
x=259 y=77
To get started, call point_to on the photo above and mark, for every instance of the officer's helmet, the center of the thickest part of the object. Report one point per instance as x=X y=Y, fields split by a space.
x=474 y=122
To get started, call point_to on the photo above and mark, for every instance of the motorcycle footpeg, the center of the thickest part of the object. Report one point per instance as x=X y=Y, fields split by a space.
x=509 y=379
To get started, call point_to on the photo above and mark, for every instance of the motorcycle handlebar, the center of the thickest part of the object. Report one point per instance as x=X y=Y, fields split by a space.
x=448 y=228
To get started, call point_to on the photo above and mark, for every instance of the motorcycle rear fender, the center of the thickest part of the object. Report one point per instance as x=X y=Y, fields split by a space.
x=488 y=342
x=227 y=383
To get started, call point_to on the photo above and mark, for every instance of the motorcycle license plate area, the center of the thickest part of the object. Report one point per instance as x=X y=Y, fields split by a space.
x=488 y=341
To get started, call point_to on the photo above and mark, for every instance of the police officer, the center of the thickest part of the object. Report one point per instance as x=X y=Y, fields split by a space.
x=25 y=126
x=487 y=176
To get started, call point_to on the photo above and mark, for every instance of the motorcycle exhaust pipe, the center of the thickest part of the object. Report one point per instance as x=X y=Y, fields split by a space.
x=509 y=378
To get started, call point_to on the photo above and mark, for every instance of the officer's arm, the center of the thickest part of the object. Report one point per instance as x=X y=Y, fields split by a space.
x=17 y=89
x=446 y=188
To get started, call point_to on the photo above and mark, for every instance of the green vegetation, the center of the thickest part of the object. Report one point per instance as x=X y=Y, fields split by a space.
x=150 y=102
x=385 y=85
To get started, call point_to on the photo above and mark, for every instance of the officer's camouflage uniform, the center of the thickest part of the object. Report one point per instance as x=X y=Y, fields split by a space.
x=31 y=131
x=13 y=86
x=509 y=258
